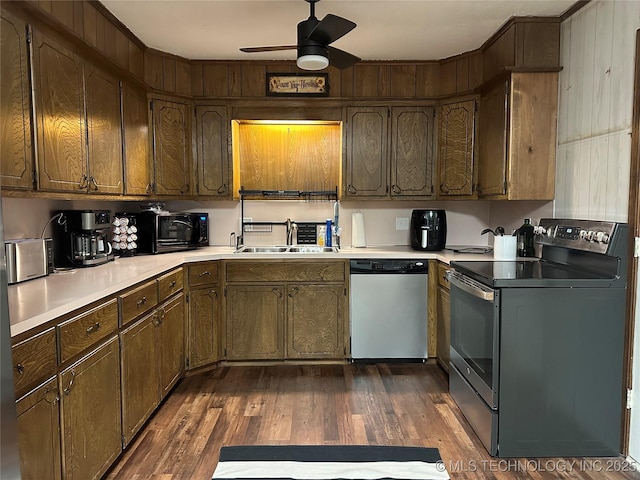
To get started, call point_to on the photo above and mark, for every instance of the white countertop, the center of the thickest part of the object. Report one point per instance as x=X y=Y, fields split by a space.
x=36 y=302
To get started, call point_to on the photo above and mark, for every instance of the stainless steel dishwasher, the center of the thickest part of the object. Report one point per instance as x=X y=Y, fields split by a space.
x=388 y=310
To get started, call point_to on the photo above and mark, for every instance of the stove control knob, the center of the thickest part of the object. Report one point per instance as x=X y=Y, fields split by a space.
x=591 y=235
x=583 y=235
x=600 y=237
x=605 y=238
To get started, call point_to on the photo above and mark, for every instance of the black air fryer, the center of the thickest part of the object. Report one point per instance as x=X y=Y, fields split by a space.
x=428 y=229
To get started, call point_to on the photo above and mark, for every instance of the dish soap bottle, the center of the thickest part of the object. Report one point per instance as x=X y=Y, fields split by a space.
x=525 y=239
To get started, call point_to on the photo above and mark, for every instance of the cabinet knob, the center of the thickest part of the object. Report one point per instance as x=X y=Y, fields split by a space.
x=222 y=189
x=172 y=284
x=53 y=400
x=396 y=189
x=184 y=189
x=142 y=301
x=277 y=292
x=293 y=291
x=149 y=188
x=351 y=189
x=213 y=294
x=19 y=368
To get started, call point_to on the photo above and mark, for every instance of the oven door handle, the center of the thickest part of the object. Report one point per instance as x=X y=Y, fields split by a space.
x=470 y=286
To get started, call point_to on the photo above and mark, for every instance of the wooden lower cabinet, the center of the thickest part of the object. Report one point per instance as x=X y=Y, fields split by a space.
x=315 y=321
x=170 y=318
x=444 y=318
x=91 y=413
x=140 y=377
x=204 y=307
x=39 y=433
x=255 y=322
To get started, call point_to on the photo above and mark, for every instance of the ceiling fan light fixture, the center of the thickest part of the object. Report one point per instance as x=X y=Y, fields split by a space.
x=312 y=62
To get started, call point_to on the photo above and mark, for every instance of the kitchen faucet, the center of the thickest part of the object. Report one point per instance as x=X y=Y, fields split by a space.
x=291 y=227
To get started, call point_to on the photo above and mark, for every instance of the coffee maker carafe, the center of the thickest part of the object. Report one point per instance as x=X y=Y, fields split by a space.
x=428 y=229
x=81 y=238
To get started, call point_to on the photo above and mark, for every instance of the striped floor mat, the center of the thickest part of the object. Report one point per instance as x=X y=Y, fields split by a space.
x=329 y=462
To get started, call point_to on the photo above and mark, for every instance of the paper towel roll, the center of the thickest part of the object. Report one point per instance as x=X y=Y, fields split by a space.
x=357 y=230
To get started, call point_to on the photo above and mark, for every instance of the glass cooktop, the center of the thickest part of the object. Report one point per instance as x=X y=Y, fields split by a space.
x=529 y=273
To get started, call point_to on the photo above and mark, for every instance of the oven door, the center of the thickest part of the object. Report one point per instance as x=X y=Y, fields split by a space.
x=175 y=231
x=475 y=334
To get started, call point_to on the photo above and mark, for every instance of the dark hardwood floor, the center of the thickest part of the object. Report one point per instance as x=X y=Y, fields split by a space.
x=385 y=404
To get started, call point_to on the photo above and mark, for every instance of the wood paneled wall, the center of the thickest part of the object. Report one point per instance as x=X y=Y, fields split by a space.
x=525 y=42
x=595 y=111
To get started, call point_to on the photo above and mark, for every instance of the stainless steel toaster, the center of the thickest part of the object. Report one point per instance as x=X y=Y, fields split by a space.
x=28 y=258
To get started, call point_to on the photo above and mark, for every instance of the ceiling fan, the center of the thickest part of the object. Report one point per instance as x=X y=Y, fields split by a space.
x=314 y=37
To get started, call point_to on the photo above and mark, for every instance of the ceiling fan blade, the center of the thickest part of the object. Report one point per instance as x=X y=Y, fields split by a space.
x=268 y=49
x=330 y=29
x=341 y=59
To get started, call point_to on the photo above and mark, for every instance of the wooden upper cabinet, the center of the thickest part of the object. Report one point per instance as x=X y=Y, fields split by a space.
x=170 y=147
x=16 y=158
x=367 y=152
x=517 y=137
x=412 y=151
x=104 y=132
x=60 y=116
x=135 y=127
x=456 y=169
x=212 y=152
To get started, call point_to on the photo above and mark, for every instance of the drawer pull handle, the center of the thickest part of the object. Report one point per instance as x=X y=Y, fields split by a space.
x=142 y=301
x=67 y=390
x=206 y=272
x=20 y=368
x=93 y=328
x=277 y=292
x=172 y=284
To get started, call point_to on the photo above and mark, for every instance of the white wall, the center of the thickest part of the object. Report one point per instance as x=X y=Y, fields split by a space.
x=594 y=128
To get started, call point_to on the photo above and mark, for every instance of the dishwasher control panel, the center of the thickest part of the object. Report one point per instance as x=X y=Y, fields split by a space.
x=385 y=265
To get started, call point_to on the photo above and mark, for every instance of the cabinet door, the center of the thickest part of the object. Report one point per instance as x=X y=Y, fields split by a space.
x=367 y=152
x=214 y=173
x=39 y=433
x=456 y=143
x=16 y=160
x=412 y=151
x=255 y=322
x=444 y=327
x=135 y=126
x=170 y=153
x=492 y=140
x=316 y=321
x=171 y=342
x=91 y=426
x=140 y=377
x=203 y=326
x=59 y=116
x=104 y=132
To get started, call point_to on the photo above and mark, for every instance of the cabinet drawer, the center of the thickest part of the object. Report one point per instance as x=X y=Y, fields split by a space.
x=203 y=274
x=285 y=271
x=34 y=360
x=170 y=283
x=442 y=277
x=137 y=301
x=86 y=329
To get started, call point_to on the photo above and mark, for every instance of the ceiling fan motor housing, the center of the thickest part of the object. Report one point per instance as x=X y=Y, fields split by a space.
x=306 y=46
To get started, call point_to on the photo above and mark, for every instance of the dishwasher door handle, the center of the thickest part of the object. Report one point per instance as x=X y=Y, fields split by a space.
x=470 y=286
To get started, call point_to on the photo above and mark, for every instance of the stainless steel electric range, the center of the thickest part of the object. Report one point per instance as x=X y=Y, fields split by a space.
x=537 y=345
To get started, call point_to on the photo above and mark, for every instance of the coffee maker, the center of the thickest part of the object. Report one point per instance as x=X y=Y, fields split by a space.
x=428 y=229
x=81 y=238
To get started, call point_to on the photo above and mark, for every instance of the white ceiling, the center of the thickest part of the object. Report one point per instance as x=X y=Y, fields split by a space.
x=387 y=29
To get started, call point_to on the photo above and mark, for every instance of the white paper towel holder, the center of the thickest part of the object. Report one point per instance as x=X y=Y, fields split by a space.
x=357 y=230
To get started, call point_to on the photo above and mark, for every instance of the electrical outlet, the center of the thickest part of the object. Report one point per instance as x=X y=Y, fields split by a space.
x=402 y=223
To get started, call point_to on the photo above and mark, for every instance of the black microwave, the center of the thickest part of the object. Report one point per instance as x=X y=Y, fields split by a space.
x=160 y=232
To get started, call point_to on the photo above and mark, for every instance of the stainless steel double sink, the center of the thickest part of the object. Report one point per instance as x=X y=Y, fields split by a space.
x=287 y=249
